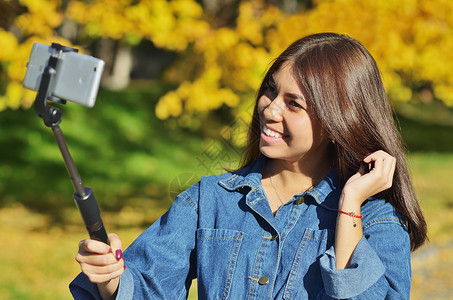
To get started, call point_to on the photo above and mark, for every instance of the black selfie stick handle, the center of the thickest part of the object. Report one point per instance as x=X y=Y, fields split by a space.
x=91 y=215
x=84 y=197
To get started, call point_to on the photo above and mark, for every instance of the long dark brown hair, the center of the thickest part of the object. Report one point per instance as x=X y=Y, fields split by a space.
x=343 y=85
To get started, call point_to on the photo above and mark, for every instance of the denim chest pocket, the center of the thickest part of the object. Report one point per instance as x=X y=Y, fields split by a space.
x=305 y=280
x=217 y=252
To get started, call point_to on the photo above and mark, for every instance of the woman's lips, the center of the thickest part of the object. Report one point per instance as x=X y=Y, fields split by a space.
x=270 y=135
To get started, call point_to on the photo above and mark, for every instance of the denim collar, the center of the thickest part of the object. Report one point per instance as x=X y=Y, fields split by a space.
x=250 y=176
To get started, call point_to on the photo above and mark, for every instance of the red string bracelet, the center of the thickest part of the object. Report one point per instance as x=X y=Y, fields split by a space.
x=351 y=214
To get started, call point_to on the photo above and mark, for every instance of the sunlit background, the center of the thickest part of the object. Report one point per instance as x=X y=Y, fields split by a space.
x=174 y=104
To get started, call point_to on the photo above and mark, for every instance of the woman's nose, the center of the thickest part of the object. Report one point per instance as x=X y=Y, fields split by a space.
x=274 y=111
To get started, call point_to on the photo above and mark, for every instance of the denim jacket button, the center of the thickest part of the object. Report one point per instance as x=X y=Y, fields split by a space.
x=263 y=280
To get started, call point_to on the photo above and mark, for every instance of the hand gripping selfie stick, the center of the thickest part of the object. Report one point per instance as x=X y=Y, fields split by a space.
x=84 y=197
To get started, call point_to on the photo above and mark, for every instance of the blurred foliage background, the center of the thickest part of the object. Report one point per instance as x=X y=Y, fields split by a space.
x=175 y=101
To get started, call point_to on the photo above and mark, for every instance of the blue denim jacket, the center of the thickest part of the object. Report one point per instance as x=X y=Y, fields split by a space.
x=222 y=232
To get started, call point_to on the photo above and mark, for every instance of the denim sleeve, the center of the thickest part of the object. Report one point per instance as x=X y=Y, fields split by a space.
x=379 y=267
x=82 y=288
x=160 y=263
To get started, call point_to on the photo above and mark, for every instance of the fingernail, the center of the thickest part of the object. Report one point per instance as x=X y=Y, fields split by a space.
x=124 y=266
x=119 y=254
x=110 y=250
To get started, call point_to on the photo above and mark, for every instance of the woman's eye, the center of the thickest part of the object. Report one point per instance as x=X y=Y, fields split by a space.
x=294 y=105
x=271 y=91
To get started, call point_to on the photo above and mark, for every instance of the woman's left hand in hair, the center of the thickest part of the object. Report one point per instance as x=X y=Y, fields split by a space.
x=365 y=184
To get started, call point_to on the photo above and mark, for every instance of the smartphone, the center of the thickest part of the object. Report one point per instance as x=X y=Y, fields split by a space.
x=77 y=76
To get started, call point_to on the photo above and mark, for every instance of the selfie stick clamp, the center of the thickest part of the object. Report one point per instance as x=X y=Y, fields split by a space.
x=83 y=196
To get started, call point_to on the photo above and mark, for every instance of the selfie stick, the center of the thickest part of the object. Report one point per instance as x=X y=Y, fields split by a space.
x=84 y=197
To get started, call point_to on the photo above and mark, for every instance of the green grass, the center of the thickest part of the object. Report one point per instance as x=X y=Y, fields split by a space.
x=432 y=177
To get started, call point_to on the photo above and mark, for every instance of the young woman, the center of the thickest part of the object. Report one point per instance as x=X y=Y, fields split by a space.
x=323 y=207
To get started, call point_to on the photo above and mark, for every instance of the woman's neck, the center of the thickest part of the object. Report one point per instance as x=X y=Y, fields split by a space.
x=295 y=176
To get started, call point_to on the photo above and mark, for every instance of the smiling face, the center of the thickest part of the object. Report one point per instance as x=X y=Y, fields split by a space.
x=289 y=131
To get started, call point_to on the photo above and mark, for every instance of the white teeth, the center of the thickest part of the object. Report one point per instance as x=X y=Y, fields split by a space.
x=271 y=133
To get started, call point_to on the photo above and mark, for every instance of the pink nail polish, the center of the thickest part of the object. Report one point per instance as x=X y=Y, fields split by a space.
x=119 y=254
x=110 y=250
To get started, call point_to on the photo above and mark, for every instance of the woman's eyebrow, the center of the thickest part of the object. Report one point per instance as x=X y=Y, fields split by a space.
x=296 y=96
